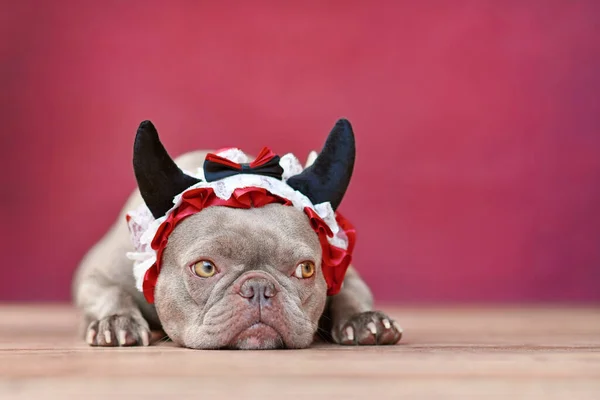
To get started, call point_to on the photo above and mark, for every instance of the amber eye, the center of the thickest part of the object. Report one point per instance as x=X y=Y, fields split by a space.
x=204 y=269
x=305 y=270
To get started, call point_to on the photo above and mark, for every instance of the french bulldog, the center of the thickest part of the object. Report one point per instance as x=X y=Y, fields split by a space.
x=230 y=278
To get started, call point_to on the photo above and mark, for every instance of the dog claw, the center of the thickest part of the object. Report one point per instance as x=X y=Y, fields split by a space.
x=398 y=327
x=350 y=333
x=91 y=335
x=145 y=338
x=372 y=328
x=122 y=337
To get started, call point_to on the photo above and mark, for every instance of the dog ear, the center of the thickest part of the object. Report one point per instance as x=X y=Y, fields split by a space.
x=328 y=177
x=157 y=175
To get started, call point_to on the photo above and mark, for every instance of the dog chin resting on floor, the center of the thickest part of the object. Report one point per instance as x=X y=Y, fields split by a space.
x=236 y=277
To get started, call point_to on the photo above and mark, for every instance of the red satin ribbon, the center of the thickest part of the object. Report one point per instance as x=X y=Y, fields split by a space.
x=335 y=261
x=263 y=157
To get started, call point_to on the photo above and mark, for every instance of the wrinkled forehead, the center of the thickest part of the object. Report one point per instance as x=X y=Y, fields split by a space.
x=269 y=234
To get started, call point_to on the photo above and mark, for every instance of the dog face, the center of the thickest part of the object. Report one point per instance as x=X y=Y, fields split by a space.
x=242 y=278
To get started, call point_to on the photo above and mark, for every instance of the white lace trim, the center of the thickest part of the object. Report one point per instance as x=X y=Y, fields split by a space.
x=143 y=226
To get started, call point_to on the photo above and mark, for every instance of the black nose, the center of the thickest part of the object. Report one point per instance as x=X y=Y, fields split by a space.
x=258 y=290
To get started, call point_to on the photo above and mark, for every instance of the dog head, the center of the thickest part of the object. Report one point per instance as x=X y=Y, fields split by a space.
x=242 y=278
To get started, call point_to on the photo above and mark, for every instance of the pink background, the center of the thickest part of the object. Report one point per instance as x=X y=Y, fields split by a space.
x=477 y=178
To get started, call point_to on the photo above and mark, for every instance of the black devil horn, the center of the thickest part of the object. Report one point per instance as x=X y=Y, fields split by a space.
x=157 y=175
x=328 y=177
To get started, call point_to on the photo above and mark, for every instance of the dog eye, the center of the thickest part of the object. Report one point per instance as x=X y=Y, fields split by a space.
x=204 y=269
x=305 y=270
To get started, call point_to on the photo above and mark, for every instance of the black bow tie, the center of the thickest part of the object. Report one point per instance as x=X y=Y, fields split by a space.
x=266 y=164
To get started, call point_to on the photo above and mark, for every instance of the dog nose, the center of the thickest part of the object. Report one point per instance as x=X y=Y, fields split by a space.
x=258 y=290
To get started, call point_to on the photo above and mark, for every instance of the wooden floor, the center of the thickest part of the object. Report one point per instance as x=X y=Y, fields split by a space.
x=457 y=353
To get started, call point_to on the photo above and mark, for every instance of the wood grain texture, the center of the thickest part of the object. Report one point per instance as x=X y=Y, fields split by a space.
x=516 y=353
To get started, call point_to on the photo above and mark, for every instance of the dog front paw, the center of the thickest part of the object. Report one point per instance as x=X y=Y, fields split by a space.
x=118 y=330
x=368 y=328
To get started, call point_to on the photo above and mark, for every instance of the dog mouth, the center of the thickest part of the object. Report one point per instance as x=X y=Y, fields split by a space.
x=258 y=336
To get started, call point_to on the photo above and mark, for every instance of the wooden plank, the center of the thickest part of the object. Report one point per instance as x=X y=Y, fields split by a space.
x=534 y=352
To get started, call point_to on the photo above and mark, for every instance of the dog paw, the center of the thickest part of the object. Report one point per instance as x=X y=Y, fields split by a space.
x=118 y=330
x=368 y=328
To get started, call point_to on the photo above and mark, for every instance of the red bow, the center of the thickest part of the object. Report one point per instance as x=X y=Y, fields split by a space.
x=267 y=164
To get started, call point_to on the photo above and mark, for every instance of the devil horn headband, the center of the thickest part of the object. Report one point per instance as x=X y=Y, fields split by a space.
x=225 y=181
x=160 y=180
